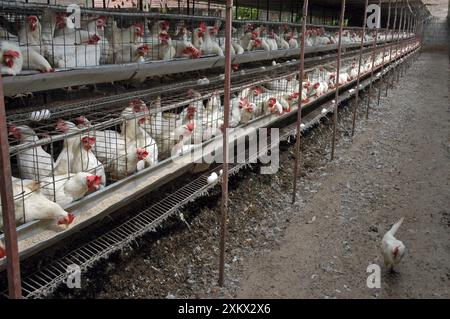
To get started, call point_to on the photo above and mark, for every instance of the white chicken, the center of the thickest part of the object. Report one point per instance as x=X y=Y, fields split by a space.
x=31 y=205
x=84 y=159
x=164 y=50
x=273 y=106
x=293 y=43
x=280 y=41
x=131 y=53
x=130 y=35
x=184 y=48
x=30 y=33
x=126 y=161
x=134 y=130
x=257 y=43
x=392 y=249
x=65 y=189
x=208 y=45
x=76 y=36
x=247 y=110
x=235 y=116
x=34 y=163
x=160 y=26
x=268 y=38
x=11 y=58
x=64 y=162
x=65 y=55
x=32 y=60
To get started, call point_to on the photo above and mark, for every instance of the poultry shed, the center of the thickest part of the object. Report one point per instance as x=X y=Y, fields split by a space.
x=99 y=114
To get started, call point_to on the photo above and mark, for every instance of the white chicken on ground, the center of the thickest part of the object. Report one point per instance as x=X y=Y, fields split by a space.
x=31 y=205
x=34 y=163
x=65 y=189
x=392 y=249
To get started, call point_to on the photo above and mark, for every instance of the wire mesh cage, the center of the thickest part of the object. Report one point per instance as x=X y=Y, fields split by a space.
x=45 y=38
x=60 y=155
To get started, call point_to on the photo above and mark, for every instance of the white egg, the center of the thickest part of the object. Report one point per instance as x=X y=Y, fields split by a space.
x=212 y=178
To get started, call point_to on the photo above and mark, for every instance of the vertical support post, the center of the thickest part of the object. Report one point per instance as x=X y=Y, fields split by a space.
x=281 y=12
x=384 y=55
x=300 y=89
x=8 y=212
x=395 y=71
x=257 y=10
x=338 y=71
x=391 y=46
x=227 y=91
x=374 y=50
x=355 y=107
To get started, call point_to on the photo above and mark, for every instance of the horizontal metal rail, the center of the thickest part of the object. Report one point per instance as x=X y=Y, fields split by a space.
x=20 y=84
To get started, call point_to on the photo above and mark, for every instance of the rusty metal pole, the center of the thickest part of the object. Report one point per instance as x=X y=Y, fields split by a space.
x=338 y=71
x=384 y=53
x=300 y=89
x=226 y=120
x=355 y=107
x=8 y=212
x=404 y=30
x=374 y=50
x=395 y=71
x=391 y=47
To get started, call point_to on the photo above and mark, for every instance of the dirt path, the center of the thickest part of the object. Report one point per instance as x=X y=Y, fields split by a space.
x=398 y=165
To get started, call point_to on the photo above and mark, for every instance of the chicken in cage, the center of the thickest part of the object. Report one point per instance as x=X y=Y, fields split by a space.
x=47 y=39
x=59 y=158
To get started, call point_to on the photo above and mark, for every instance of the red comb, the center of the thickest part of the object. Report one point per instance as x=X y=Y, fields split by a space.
x=190 y=126
x=165 y=24
x=11 y=53
x=203 y=26
x=90 y=140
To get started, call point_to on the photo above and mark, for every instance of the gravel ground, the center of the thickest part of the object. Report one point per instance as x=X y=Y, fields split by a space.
x=321 y=246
